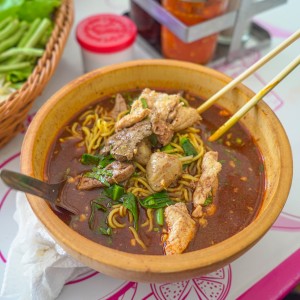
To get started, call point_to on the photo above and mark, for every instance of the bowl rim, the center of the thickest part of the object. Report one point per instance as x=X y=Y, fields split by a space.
x=124 y=261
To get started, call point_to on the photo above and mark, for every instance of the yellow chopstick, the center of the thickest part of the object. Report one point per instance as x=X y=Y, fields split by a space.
x=254 y=100
x=248 y=72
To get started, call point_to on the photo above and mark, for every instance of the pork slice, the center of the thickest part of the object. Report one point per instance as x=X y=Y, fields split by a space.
x=162 y=114
x=123 y=144
x=181 y=228
x=143 y=152
x=120 y=106
x=185 y=117
x=208 y=179
x=162 y=170
x=137 y=113
x=121 y=171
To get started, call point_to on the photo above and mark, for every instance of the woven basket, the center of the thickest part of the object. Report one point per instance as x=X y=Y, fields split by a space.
x=14 y=111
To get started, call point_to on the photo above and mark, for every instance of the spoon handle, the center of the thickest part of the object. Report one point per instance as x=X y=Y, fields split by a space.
x=29 y=185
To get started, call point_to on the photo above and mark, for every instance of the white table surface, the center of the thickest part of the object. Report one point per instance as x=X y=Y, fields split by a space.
x=259 y=271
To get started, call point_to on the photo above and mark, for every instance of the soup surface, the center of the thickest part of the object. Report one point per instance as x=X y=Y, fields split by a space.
x=107 y=215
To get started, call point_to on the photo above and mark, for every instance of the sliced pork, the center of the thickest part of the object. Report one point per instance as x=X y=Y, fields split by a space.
x=143 y=152
x=137 y=113
x=208 y=180
x=162 y=170
x=181 y=228
x=120 y=171
x=123 y=145
x=120 y=106
x=185 y=117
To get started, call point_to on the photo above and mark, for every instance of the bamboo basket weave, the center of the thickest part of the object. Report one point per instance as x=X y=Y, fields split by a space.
x=14 y=110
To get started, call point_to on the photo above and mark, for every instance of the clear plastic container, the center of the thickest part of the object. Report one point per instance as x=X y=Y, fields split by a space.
x=106 y=39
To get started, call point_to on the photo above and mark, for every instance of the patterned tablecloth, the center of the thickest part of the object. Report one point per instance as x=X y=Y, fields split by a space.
x=267 y=271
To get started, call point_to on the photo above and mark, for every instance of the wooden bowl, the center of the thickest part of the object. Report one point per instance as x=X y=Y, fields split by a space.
x=260 y=121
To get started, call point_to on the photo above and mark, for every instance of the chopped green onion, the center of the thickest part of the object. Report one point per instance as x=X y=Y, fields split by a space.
x=184 y=101
x=144 y=103
x=129 y=201
x=157 y=200
x=188 y=147
x=115 y=192
x=160 y=216
x=208 y=200
x=167 y=148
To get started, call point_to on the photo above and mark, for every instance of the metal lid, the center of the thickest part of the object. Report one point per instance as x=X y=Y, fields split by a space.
x=106 y=33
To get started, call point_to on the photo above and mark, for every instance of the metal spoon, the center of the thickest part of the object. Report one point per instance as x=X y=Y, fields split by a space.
x=47 y=191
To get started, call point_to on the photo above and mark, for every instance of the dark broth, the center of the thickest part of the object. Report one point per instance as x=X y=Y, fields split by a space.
x=239 y=196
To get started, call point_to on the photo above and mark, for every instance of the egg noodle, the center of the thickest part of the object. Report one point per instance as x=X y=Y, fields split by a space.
x=95 y=126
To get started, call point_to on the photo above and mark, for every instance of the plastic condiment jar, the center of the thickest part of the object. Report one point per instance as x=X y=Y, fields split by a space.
x=191 y=13
x=105 y=39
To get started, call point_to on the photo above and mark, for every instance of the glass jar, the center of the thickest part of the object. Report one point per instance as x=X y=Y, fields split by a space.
x=147 y=26
x=191 y=13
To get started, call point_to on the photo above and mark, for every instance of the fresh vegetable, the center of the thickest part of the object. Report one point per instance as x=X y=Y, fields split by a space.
x=96 y=205
x=157 y=200
x=25 y=27
x=105 y=231
x=160 y=216
x=167 y=148
x=208 y=200
x=144 y=103
x=28 y=9
x=129 y=201
x=115 y=192
x=100 y=174
x=188 y=147
x=99 y=160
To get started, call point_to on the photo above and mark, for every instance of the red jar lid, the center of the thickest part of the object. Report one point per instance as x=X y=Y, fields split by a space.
x=106 y=33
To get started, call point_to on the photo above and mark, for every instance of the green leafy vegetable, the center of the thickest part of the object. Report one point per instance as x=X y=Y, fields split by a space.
x=157 y=200
x=129 y=201
x=96 y=205
x=188 y=147
x=25 y=27
x=99 y=160
x=115 y=192
x=100 y=174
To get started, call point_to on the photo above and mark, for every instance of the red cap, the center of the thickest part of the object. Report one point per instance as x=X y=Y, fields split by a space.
x=106 y=33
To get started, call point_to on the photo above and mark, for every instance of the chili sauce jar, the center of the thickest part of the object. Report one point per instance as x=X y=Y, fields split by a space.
x=106 y=39
x=191 y=13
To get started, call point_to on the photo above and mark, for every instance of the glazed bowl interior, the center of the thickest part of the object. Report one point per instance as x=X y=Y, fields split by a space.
x=261 y=122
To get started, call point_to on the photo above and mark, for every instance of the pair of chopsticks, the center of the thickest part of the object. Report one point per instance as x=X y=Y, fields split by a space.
x=254 y=100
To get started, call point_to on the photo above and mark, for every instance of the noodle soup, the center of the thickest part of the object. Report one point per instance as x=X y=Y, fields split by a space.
x=130 y=213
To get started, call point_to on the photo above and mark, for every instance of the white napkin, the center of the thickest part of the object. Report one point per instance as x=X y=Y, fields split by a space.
x=37 y=268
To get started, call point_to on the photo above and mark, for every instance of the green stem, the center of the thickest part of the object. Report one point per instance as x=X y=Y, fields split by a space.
x=13 y=40
x=14 y=67
x=5 y=22
x=33 y=27
x=10 y=29
x=17 y=51
x=34 y=38
x=38 y=34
